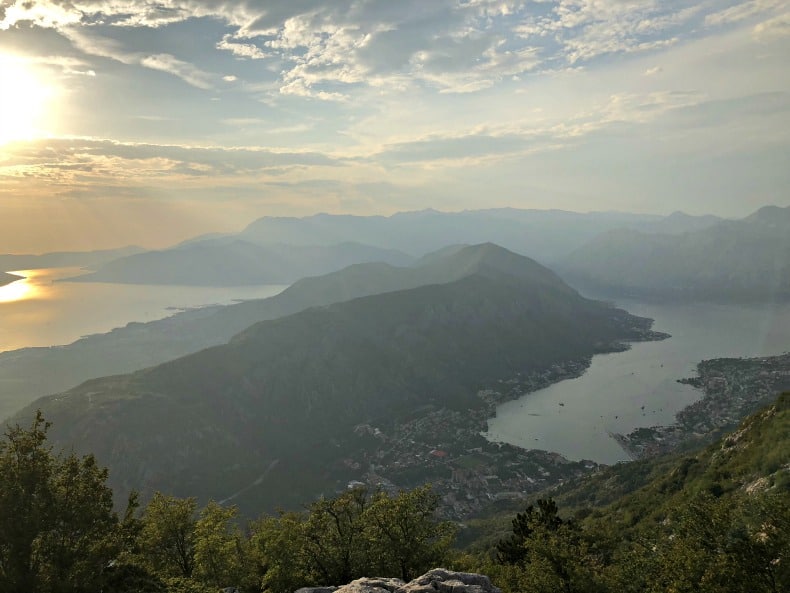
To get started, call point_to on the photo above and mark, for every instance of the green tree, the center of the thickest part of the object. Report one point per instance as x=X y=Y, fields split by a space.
x=545 y=553
x=355 y=534
x=710 y=545
x=404 y=536
x=333 y=542
x=219 y=547
x=276 y=561
x=59 y=529
x=167 y=536
x=513 y=549
x=83 y=536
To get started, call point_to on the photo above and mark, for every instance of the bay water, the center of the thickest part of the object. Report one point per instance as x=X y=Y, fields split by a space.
x=638 y=388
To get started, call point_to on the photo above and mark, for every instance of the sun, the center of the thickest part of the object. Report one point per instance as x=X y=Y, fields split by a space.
x=25 y=101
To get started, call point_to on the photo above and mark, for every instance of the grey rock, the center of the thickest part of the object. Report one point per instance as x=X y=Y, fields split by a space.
x=438 y=580
x=447 y=581
x=372 y=585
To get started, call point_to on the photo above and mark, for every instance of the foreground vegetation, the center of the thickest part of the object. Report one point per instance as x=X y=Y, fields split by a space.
x=714 y=521
x=60 y=533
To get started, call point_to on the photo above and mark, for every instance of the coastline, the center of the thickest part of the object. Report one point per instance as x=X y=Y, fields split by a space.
x=732 y=389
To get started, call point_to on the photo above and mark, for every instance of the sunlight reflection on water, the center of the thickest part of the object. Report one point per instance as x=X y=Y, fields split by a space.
x=20 y=290
x=44 y=310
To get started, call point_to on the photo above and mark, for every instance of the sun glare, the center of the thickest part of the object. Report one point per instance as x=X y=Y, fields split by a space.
x=20 y=290
x=25 y=98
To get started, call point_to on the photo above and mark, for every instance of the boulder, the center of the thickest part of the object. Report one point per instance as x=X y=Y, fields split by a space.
x=438 y=580
x=372 y=585
x=447 y=581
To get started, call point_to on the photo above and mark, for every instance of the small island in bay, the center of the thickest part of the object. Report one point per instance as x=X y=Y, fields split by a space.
x=6 y=278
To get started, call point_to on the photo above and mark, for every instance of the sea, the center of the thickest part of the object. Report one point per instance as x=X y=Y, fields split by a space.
x=45 y=310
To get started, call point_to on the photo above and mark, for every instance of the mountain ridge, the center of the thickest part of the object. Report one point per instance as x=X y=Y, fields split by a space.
x=746 y=259
x=229 y=261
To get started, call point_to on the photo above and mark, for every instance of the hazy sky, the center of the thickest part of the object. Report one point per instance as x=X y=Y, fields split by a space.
x=124 y=121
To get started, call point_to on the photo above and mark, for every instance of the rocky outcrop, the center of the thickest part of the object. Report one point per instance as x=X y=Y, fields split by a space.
x=437 y=580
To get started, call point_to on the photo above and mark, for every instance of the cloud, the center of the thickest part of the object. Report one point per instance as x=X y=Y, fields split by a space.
x=518 y=139
x=241 y=50
x=63 y=159
x=106 y=47
x=743 y=11
x=328 y=51
x=183 y=70
x=778 y=26
x=375 y=87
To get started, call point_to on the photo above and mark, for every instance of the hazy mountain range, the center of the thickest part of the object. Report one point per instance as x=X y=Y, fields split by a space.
x=64 y=259
x=618 y=254
x=280 y=397
x=233 y=261
x=732 y=259
x=281 y=250
x=545 y=235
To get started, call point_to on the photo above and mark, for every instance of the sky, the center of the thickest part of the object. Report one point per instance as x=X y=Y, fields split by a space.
x=125 y=121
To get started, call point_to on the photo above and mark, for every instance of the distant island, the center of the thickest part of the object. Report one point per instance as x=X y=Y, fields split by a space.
x=8 y=278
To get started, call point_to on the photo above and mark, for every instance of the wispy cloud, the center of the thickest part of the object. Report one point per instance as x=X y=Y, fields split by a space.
x=63 y=157
x=183 y=70
x=324 y=50
x=241 y=50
